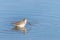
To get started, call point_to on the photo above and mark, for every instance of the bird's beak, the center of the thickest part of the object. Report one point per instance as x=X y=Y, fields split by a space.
x=29 y=23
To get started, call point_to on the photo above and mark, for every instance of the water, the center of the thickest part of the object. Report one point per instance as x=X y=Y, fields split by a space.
x=44 y=14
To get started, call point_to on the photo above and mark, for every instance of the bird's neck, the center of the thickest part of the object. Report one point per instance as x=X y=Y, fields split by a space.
x=25 y=21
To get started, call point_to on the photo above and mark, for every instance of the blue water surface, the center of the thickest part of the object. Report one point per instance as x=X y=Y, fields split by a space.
x=44 y=14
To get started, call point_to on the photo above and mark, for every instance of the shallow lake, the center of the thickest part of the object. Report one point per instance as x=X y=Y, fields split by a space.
x=44 y=15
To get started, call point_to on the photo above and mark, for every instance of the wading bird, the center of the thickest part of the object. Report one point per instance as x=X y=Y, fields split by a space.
x=20 y=25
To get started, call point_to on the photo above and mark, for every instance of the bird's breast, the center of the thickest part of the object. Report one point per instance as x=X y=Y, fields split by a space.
x=21 y=25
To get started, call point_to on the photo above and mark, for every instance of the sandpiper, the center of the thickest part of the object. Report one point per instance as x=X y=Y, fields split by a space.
x=20 y=25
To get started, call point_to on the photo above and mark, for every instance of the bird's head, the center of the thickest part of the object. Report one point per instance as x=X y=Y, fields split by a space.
x=25 y=20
